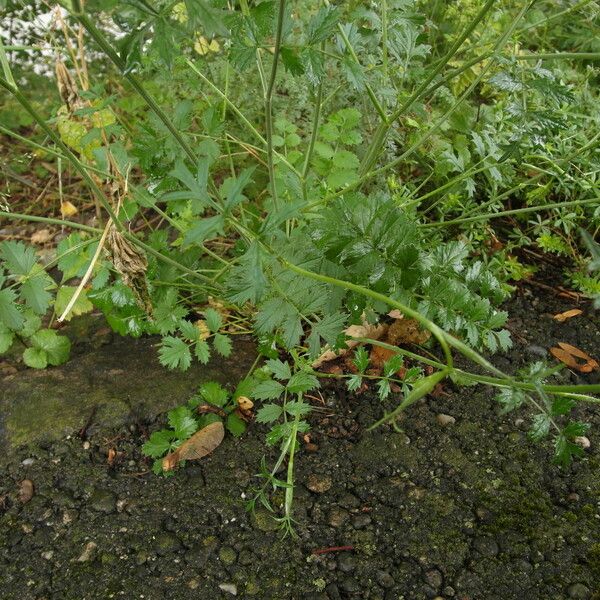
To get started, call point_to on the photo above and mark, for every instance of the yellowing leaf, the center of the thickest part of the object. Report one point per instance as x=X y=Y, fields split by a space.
x=67 y=209
x=63 y=297
x=203 y=46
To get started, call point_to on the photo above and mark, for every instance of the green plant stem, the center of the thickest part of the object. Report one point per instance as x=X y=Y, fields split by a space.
x=380 y=135
x=438 y=333
x=575 y=391
x=313 y=137
x=49 y=221
x=506 y=213
x=289 y=490
x=269 y=102
x=135 y=83
x=241 y=116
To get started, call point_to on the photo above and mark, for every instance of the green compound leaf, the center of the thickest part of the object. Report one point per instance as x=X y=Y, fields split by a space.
x=9 y=313
x=56 y=347
x=174 y=353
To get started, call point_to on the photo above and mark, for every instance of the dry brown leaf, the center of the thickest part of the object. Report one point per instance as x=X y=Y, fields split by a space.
x=568 y=314
x=406 y=331
x=354 y=331
x=68 y=209
x=41 y=236
x=26 y=491
x=245 y=403
x=574 y=351
x=201 y=444
x=379 y=356
x=204 y=330
x=564 y=357
x=131 y=264
x=569 y=354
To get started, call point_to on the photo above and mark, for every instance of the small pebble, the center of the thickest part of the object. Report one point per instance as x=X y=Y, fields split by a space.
x=230 y=588
x=48 y=555
x=28 y=462
x=319 y=483
x=582 y=441
x=445 y=420
x=88 y=553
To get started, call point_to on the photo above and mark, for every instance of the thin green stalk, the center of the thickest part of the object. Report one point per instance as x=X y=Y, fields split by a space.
x=384 y=127
x=289 y=490
x=374 y=101
x=269 y=103
x=578 y=391
x=6 y=66
x=241 y=116
x=516 y=211
x=439 y=334
x=560 y=56
x=313 y=136
x=49 y=221
x=107 y=48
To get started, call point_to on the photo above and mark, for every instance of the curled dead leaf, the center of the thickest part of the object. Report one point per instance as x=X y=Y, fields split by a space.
x=26 y=491
x=568 y=355
x=406 y=331
x=568 y=314
x=201 y=444
x=245 y=403
x=365 y=330
x=132 y=265
x=574 y=351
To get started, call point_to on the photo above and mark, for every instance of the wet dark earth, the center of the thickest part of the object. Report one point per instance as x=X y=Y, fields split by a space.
x=459 y=505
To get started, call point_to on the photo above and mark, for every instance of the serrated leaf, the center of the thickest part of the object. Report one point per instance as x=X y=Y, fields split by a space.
x=222 y=344
x=6 y=338
x=281 y=370
x=268 y=390
x=158 y=444
x=213 y=319
x=235 y=425
x=302 y=382
x=322 y=25
x=174 y=353
x=18 y=257
x=540 y=427
x=36 y=358
x=189 y=330
x=269 y=413
x=57 y=347
x=9 y=313
x=202 y=351
x=182 y=421
x=214 y=393
x=297 y=408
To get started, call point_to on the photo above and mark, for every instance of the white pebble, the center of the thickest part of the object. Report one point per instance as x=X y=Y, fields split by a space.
x=229 y=587
x=445 y=420
x=582 y=441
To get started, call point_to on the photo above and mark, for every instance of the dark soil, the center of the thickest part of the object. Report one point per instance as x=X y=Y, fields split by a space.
x=469 y=510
